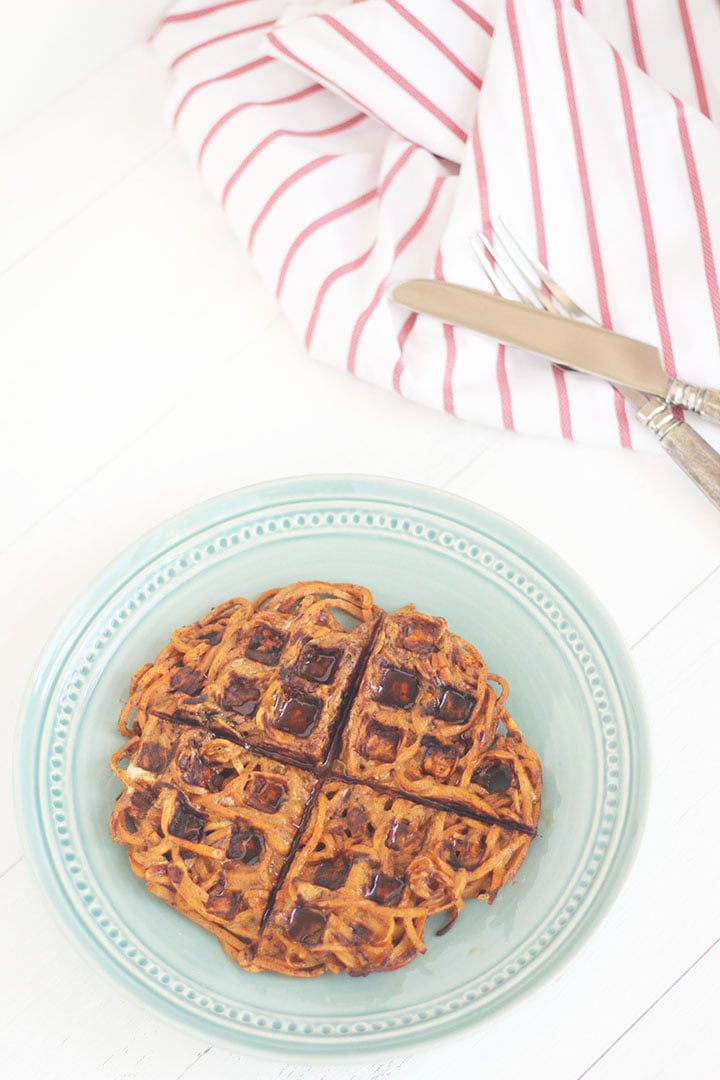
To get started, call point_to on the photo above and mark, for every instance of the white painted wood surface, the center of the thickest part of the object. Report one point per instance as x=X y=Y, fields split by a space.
x=128 y=313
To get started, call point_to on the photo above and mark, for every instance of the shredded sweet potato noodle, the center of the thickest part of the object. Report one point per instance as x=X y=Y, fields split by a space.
x=311 y=778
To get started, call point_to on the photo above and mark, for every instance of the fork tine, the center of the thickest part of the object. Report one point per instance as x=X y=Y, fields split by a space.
x=487 y=266
x=505 y=234
x=537 y=292
x=502 y=266
x=481 y=245
x=491 y=264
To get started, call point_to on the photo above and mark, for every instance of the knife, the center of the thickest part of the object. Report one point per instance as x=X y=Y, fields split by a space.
x=600 y=352
x=579 y=345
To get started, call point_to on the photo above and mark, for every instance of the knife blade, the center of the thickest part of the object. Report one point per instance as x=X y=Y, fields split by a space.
x=529 y=328
x=590 y=349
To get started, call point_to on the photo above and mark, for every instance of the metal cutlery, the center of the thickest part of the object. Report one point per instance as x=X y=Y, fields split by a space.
x=634 y=363
x=561 y=331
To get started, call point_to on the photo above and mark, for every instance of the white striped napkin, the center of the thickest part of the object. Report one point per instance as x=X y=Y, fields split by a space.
x=354 y=144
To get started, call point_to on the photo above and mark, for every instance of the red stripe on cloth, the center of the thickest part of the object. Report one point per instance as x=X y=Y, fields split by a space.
x=703 y=105
x=579 y=7
x=354 y=264
x=308 y=167
x=581 y=160
x=260 y=62
x=395 y=76
x=563 y=403
x=559 y=378
x=404 y=334
x=435 y=40
x=649 y=235
x=450 y=348
x=504 y=387
x=402 y=243
x=297 y=96
x=330 y=280
x=474 y=15
x=484 y=197
x=635 y=35
x=705 y=241
x=593 y=240
x=395 y=169
x=249 y=158
x=183 y=16
x=281 y=47
x=314 y=226
x=214 y=41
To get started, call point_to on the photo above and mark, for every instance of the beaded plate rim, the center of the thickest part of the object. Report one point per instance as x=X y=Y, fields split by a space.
x=318 y=506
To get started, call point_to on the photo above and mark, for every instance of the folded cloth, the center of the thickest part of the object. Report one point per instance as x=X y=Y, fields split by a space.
x=355 y=144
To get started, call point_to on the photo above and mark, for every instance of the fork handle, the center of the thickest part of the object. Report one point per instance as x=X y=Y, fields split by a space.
x=698 y=400
x=685 y=446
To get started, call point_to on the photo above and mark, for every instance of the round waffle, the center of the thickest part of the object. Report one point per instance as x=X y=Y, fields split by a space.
x=311 y=778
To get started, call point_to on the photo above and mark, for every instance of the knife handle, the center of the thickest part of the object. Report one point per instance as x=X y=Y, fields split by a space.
x=685 y=446
x=703 y=402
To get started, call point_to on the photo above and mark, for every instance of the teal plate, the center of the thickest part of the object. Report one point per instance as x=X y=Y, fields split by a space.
x=573 y=693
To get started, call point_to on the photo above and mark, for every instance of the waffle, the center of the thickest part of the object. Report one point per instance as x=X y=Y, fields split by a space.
x=311 y=778
x=426 y=722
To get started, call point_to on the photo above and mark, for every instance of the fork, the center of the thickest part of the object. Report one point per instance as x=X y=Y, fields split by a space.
x=531 y=283
x=554 y=298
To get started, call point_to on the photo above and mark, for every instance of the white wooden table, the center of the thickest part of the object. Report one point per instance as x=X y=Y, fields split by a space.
x=128 y=313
